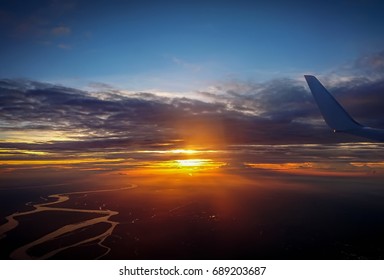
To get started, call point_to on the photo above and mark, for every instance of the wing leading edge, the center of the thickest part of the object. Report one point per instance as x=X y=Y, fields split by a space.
x=335 y=115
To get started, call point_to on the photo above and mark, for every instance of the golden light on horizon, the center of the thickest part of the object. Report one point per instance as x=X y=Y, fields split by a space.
x=39 y=136
x=63 y=161
x=182 y=166
x=183 y=151
x=192 y=162
x=313 y=168
x=178 y=151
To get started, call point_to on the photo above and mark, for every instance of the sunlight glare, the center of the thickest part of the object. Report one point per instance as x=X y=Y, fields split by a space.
x=192 y=162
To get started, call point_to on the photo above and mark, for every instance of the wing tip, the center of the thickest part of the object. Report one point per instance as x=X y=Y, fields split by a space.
x=333 y=113
x=309 y=77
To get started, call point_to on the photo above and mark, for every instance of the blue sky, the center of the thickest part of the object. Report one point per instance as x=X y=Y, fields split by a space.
x=183 y=45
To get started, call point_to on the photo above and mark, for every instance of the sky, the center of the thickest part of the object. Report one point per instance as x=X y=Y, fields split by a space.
x=183 y=45
x=124 y=85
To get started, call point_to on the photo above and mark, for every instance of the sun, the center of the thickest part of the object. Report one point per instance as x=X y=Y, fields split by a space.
x=192 y=162
x=183 y=161
x=194 y=166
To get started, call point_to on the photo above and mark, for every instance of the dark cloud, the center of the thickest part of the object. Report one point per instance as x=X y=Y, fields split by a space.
x=280 y=111
x=279 y=100
x=359 y=87
x=275 y=122
x=363 y=98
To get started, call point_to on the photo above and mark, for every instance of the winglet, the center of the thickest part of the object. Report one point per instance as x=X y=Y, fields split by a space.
x=333 y=113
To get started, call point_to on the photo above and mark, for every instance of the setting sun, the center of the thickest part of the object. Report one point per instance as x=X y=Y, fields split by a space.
x=192 y=162
x=192 y=165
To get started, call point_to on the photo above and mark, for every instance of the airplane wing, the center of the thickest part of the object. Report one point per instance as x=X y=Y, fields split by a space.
x=335 y=115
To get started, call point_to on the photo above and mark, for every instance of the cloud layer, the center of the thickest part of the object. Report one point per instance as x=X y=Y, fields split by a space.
x=281 y=107
x=278 y=114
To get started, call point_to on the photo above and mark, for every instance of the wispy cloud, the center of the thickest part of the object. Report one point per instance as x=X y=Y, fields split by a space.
x=64 y=46
x=61 y=31
x=41 y=21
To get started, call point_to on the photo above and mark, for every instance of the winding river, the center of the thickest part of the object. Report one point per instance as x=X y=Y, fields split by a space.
x=22 y=252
